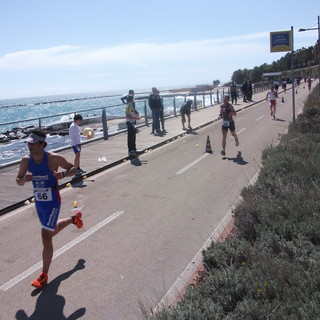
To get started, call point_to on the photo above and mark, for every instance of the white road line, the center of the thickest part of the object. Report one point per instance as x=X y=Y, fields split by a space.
x=192 y=164
x=60 y=251
x=260 y=117
x=13 y=213
x=184 y=277
x=243 y=129
x=180 y=283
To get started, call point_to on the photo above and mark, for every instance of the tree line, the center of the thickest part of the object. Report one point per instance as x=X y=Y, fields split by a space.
x=304 y=58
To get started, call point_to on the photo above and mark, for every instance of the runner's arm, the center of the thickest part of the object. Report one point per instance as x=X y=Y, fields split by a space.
x=232 y=111
x=23 y=174
x=60 y=161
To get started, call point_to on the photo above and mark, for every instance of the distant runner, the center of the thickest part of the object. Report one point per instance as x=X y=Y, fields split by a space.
x=226 y=113
x=272 y=95
x=42 y=168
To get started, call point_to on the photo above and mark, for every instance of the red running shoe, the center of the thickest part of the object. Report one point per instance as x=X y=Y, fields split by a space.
x=76 y=219
x=41 y=281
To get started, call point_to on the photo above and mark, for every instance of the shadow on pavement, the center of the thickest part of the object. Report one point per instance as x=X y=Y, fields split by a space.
x=50 y=305
x=238 y=159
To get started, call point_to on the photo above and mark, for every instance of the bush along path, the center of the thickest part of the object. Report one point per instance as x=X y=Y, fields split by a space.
x=270 y=268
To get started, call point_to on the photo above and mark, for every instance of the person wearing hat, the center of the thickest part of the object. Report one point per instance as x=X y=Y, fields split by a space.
x=42 y=168
x=75 y=141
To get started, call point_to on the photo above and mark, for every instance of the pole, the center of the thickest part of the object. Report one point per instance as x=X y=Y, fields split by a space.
x=146 y=114
x=104 y=124
x=292 y=78
x=319 y=54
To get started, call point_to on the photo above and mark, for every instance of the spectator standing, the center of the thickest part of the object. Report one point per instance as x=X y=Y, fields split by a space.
x=75 y=141
x=233 y=92
x=131 y=116
x=250 y=91
x=244 y=90
x=185 y=110
x=124 y=99
x=161 y=114
x=155 y=106
x=309 y=81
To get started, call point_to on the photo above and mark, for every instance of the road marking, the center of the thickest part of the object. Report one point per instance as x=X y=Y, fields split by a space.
x=60 y=251
x=13 y=213
x=243 y=129
x=260 y=117
x=185 y=276
x=192 y=164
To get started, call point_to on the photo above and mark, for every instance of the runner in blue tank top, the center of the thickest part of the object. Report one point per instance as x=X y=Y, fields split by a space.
x=42 y=168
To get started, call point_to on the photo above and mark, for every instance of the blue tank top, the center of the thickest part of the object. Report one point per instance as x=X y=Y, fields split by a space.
x=42 y=176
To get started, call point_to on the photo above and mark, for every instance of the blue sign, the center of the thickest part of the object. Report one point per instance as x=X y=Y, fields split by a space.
x=280 y=41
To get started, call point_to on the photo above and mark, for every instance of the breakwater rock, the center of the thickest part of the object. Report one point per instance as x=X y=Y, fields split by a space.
x=61 y=128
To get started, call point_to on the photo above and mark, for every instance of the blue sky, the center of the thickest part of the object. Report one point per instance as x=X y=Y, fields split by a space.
x=70 y=46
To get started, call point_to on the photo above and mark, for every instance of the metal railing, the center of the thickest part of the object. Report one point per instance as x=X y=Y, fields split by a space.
x=171 y=102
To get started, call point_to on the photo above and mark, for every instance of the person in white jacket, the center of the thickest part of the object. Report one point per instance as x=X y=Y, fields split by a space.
x=75 y=141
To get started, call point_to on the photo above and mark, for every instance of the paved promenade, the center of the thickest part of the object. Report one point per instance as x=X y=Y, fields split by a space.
x=114 y=150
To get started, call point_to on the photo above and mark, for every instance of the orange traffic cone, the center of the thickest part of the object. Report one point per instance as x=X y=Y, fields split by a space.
x=208 y=145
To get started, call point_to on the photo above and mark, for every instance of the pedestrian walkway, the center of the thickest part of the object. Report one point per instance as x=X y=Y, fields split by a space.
x=98 y=154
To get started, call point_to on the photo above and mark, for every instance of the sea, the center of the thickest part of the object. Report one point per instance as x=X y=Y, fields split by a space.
x=25 y=112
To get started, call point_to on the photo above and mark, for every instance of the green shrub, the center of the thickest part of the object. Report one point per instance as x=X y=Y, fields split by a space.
x=231 y=252
x=272 y=269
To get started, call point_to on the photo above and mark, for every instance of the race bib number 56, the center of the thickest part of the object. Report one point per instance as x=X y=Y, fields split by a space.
x=43 y=194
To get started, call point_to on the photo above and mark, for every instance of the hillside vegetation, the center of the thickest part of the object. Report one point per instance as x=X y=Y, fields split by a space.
x=305 y=64
x=270 y=268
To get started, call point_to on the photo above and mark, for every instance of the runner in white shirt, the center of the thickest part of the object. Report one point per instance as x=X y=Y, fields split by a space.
x=272 y=95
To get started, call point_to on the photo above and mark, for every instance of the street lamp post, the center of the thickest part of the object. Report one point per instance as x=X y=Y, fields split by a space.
x=301 y=30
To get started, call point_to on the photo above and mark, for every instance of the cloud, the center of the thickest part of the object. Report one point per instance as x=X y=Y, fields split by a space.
x=139 y=54
x=99 y=75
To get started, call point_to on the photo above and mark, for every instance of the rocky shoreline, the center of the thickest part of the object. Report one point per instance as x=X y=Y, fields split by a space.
x=61 y=129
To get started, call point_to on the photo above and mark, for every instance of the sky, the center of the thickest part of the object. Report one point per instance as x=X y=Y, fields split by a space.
x=51 y=47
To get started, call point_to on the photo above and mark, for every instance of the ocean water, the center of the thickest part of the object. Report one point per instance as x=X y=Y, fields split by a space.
x=18 y=113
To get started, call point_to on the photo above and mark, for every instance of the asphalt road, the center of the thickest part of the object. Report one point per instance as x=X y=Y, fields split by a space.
x=145 y=221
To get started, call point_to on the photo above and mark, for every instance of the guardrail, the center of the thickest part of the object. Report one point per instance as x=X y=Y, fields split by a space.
x=171 y=102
